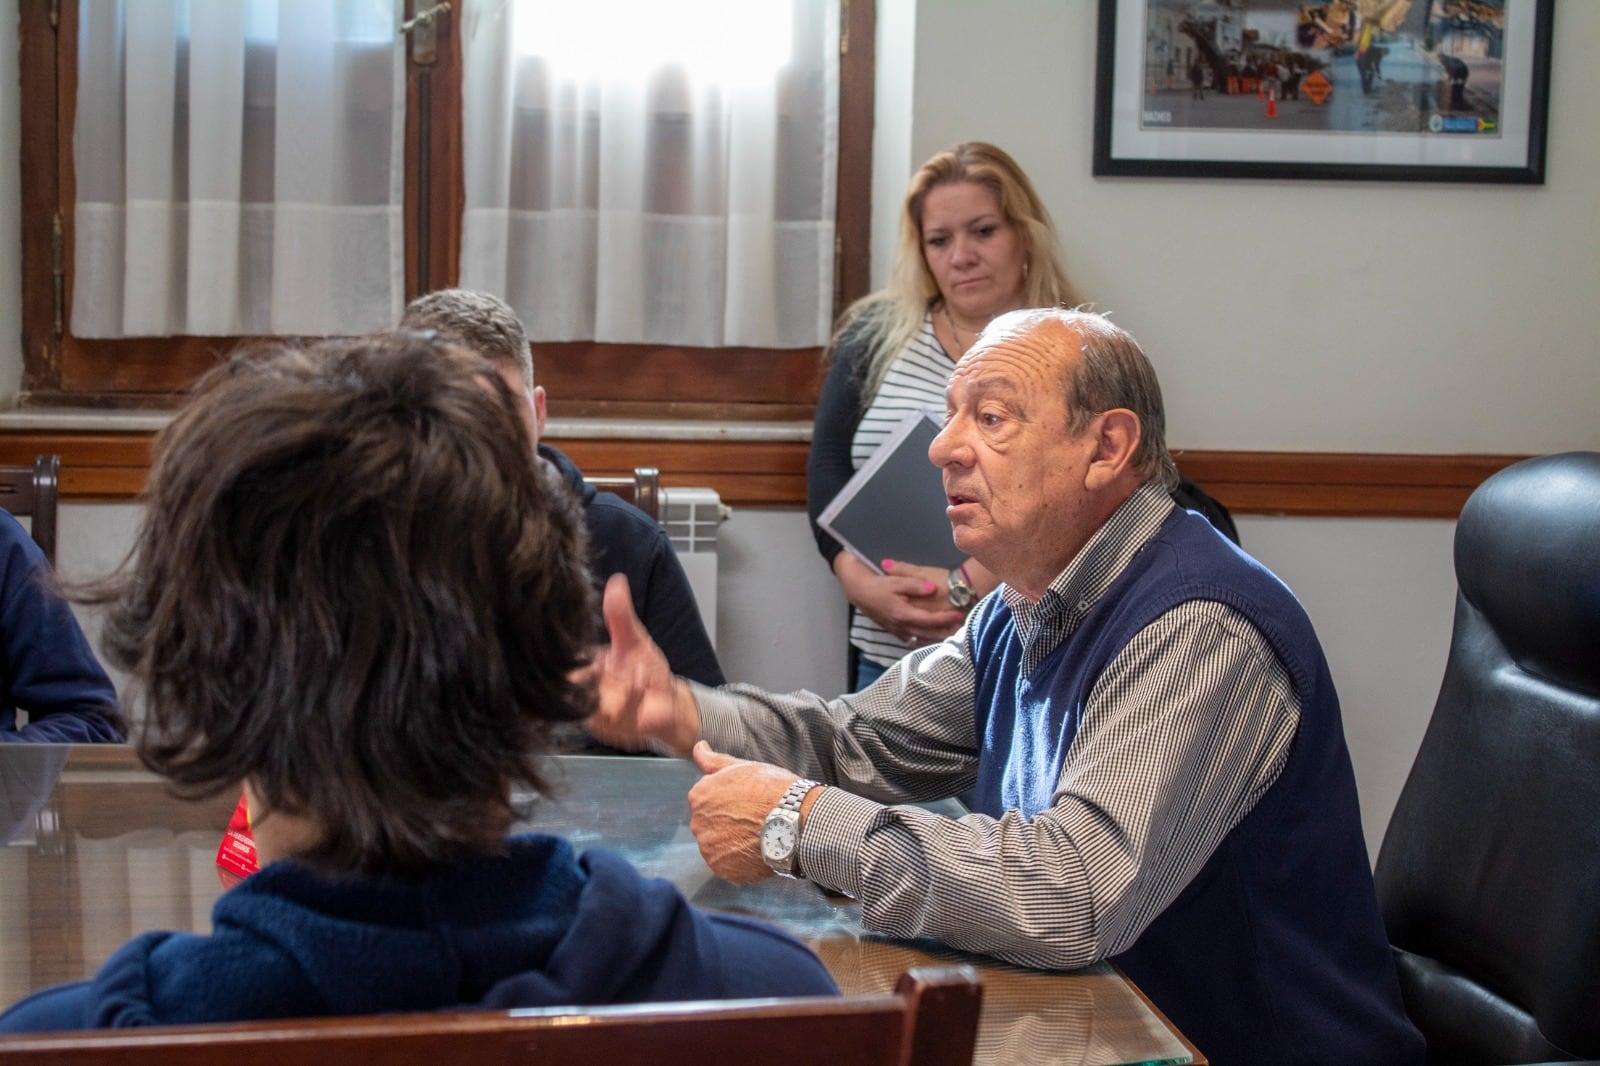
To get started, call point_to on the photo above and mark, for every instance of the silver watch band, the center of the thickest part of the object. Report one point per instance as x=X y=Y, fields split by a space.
x=795 y=794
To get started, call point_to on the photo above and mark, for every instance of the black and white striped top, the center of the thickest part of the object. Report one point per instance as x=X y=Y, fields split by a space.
x=1184 y=731
x=915 y=382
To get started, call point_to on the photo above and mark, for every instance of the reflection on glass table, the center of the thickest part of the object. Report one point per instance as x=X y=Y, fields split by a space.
x=97 y=850
x=639 y=807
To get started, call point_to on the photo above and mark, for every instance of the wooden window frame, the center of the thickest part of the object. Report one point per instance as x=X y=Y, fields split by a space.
x=583 y=379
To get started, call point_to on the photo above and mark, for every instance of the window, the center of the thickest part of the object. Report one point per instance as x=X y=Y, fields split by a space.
x=414 y=224
x=640 y=172
x=246 y=173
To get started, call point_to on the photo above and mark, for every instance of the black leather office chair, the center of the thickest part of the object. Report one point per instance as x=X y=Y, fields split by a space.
x=33 y=491
x=1489 y=876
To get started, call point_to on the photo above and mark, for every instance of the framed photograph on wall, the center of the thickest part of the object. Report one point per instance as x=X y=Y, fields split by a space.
x=1387 y=90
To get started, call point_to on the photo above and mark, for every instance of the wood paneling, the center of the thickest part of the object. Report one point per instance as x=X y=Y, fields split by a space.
x=112 y=466
x=1341 y=483
x=36 y=48
x=853 y=221
x=662 y=375
x=94 y=466
x=435 y=181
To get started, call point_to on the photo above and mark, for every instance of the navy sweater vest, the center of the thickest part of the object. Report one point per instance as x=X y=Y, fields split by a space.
x=1275 y=952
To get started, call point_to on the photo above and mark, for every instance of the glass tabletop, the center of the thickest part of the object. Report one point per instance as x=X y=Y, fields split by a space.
x=96 y=850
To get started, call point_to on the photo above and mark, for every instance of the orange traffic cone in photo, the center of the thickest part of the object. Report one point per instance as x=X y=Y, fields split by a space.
x=1272 y=104
x=1261 y=89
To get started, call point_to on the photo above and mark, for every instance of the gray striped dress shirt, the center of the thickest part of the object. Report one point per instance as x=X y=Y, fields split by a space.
x=1183 y=732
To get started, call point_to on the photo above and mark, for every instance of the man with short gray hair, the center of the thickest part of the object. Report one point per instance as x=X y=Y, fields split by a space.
x=622 y=538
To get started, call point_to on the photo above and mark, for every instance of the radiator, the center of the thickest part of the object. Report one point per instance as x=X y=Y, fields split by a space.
x=692 y=517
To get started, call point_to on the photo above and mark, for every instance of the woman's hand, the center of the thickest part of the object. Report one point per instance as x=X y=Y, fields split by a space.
x=911 y=602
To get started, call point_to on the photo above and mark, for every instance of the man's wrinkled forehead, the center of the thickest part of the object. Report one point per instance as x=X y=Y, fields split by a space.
x=1029 y=357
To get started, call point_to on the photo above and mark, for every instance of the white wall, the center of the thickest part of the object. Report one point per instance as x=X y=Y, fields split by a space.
x=1316 y=316
x=1381 y=594
x=1282 y=316
x=91 y=539
x=780 y=615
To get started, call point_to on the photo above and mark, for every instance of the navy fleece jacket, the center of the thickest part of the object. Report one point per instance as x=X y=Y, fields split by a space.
x=536 y=926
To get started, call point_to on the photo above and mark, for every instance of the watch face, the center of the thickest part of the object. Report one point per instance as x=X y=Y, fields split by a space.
x=777 y=840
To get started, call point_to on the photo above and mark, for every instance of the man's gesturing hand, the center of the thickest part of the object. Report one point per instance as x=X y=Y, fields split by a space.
x=636 y=697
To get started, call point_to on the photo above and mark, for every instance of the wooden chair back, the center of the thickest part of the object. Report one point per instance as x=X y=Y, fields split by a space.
x=32 y=492
x=643 y=489
x=931 y=1019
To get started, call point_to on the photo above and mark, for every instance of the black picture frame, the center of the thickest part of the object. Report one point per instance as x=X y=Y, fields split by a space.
x=1427 y=119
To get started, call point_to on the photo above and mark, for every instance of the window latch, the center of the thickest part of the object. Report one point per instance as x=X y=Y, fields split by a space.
x=423 y=29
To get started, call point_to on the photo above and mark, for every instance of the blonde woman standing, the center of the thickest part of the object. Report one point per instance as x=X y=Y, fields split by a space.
x=975 y=241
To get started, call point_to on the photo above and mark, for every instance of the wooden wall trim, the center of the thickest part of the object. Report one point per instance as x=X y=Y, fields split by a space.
x=113 y=466
x=1341 y=484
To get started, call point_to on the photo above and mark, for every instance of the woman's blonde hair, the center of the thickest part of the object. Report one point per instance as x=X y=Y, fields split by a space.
x=885 y=320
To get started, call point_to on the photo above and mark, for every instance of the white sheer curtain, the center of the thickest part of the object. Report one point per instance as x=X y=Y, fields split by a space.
x=647 y=172
x=239 y=167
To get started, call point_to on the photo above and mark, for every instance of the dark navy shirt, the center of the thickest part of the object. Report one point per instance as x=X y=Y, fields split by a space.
x=46 y=666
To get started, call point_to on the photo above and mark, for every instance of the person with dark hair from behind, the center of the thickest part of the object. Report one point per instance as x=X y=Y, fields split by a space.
x=353 y=593
x=622 y=538
x=47 y=667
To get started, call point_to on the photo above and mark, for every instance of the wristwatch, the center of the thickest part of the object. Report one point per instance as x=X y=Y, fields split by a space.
x=780 y=833
x=961 y=593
